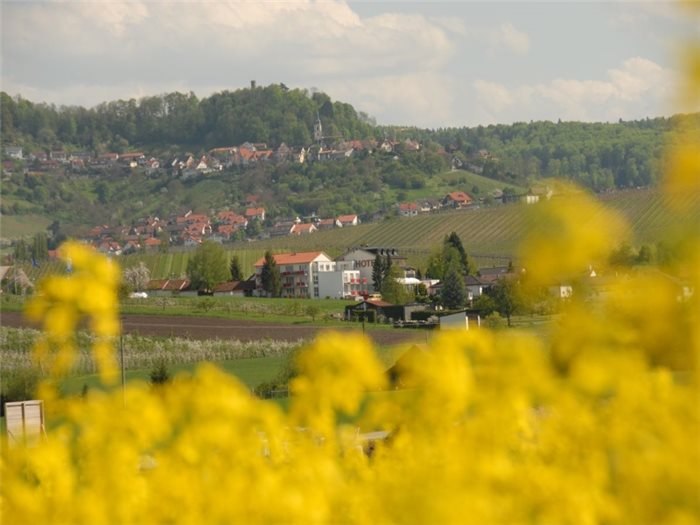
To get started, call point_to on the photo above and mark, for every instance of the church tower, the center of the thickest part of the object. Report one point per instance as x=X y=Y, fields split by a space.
x=318 y=129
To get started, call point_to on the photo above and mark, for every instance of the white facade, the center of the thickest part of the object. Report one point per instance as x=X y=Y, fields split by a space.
x=298 y=273
x=458 y=321
x=364 y=263
x=341 y=281
x=561 y=291
x=13 y=152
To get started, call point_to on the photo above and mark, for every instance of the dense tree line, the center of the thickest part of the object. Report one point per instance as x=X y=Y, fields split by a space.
x=601 y=156
x=271 y=114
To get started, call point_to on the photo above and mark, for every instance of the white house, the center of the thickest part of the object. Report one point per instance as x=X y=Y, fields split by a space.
x=364 y=261
x=561 y=291
x=13 y=152
x=298 y=271
x=408 y=209
x=349 y=220
x=459 y=321
x=303 y=229
x=340 y=280
x=475 y=288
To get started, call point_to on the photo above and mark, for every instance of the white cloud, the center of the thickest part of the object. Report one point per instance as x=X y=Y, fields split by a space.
x=422 y=98
x=202 y=44
x=494 y=96
x=636 y=89
x=452 y=24
x=634 y=13
x=505 y=35
x=637 y=77
x=426 y=66
x=515 y=40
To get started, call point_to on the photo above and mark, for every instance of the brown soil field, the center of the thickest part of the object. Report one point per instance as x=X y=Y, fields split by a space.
x=213 y=328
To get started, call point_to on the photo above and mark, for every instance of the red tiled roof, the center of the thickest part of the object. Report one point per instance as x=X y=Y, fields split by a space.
x=222 y=215
x=231 y=217
x=156 y=284
x=347 y=218
x=459 y=196
x=176 y=284
x=229 y=149
x=198 y=217
x=254 y=212
x=291 y=258
x=226 y=229
x=303 y=228
x=378 y=302
x=408 y=206
x=246 y=153
x=228 y=286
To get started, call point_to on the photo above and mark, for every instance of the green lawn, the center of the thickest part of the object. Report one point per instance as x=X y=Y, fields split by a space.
x=293 y=311
x=16 y=226
x=250 y=372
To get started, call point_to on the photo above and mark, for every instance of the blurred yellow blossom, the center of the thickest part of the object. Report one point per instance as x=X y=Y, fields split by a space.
x=596 y=423
x=62 y=301
x=574 y=232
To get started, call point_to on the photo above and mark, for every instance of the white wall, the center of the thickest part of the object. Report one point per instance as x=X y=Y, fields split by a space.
x=458 y=321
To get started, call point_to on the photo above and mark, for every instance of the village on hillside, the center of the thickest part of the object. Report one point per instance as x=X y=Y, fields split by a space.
x=190 y=229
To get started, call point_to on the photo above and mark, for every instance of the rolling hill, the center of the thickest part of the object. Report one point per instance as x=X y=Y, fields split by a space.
x=490 y=235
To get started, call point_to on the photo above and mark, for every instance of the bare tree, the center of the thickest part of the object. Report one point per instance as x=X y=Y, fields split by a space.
x=137 y=276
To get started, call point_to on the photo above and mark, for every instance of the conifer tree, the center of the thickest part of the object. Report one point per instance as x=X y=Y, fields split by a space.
x=40 y=247
x=235 y=267
x=454 y=241
x=270 y=276
x=387 y=265
x=453 y=293
x=378 y=272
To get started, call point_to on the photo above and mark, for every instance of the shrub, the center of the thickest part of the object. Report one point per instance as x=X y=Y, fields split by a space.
x=494 y=321
x=159 y=374
x=19 y=384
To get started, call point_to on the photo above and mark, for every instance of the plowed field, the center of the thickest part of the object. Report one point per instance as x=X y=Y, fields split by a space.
x=212 y=328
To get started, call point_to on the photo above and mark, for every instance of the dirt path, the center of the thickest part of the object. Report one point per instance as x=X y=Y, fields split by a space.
x=213 y=328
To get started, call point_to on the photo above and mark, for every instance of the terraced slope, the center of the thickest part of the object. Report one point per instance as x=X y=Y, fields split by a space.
x=487 y=233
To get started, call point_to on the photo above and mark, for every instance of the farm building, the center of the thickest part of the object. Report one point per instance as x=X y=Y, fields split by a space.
x=235 y=288
x=161 y=287
x=376 y=310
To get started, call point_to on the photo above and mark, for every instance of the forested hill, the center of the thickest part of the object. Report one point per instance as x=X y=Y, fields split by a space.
x=601 y=156
x=271 y=114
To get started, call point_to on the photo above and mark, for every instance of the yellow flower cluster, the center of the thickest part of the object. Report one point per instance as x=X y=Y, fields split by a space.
x=89 y=292
x=599 y=423
x=596 y=423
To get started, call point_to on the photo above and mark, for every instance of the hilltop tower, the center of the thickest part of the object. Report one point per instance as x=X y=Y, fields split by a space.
x=318 y=129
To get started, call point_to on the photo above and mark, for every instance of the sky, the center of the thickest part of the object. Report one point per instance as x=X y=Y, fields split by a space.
x=425 y=64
